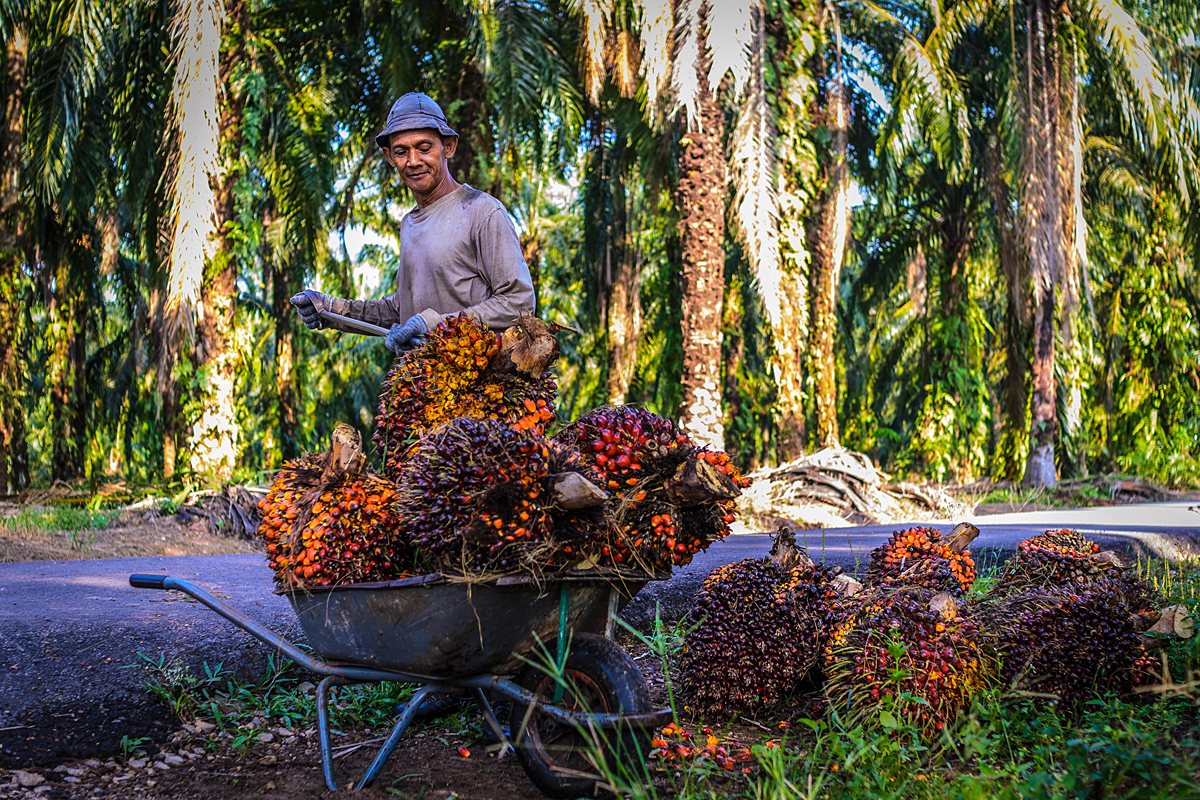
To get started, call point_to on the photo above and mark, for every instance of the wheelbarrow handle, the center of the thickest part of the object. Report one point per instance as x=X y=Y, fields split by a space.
x=266 y=635
x=148 y=581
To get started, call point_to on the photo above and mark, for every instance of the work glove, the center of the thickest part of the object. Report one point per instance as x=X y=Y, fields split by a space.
x=407 y=336
x=309 y=303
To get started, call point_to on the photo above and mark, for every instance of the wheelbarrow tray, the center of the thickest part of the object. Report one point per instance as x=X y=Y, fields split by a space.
x=440 y=628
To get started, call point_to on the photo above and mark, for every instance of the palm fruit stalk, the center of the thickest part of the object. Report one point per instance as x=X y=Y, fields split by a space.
x=758 y=628
x=903 y=652
x=479 y=496
x=453 y=375
x=326 y=523
x=1065 y=643
x=670 y=499
x=921 y=557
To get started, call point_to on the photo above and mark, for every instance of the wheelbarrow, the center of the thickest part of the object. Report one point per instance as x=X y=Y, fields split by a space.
x=585 y=700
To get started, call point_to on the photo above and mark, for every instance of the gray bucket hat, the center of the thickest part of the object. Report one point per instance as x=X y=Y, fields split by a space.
x=411 y=112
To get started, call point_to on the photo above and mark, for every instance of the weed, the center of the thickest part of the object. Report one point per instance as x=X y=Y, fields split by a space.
x=61 y=518
x=132 y=746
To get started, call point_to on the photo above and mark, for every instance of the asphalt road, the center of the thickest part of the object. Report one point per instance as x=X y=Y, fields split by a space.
x=77 y=637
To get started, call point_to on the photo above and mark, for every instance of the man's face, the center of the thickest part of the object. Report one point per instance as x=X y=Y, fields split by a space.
x=420 y=157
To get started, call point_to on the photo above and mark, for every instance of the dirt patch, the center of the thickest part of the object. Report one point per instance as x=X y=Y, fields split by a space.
x=129 y=534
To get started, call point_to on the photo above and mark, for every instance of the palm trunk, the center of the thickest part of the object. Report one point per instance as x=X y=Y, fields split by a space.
x=732 y=355
x=700 y=198
x=475 y=142
x=624 y=310
x=195 y=107
x=215 y=439
x=12 y=221
x=828 y=250
x=62 y=383
x=1069 y=144
x=282 y=289
x=790 y=341
x=1016 y=317
x=1043 y=206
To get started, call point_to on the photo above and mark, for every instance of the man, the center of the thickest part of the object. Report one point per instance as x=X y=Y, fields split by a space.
x=459 y=250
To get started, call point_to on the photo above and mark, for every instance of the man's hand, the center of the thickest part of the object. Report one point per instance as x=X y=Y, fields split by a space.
x=309 y=303
x=405 y=337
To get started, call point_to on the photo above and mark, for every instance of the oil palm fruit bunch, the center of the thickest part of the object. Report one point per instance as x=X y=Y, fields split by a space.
x=1055 y=558
x=282 y=506
x=904 y=653
x=449 y=377
x=1067 y=642
x=479 y=496
x=665 y=507
x=351 y=537
x=921 y=557
x=756 y=634
x=328 y=533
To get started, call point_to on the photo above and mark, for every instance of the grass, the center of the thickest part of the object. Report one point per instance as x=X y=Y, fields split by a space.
x=60 y=518
x=73 y=529
x=282 y=697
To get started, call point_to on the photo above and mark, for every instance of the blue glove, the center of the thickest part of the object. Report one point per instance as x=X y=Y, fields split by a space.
x=402 y=338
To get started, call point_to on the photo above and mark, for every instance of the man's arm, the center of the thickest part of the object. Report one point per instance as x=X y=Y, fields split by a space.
x=504 y=269
x=377 y=312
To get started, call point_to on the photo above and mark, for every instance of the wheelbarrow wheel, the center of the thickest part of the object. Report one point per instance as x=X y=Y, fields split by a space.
x=562 y=759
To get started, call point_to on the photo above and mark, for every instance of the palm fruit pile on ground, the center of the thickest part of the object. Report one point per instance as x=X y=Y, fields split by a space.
x=920 y=557
x=747 y=649
x=897 y=654
x=1068 y=620
x=905 y=646
x=1067 y=643
x=674 y=746
x=453 y=375
x=758 y=629
x=325 y=523
x=654 y=522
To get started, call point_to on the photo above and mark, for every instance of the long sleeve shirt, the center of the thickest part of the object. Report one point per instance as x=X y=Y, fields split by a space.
x=458 y=254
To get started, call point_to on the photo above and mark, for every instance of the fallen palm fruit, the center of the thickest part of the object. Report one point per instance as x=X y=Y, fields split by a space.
x=896 y=654
x=758 y=629
x=450 y=377
x=1064 y=643
x=670 y=499
x=675 y=745
x=920 y=557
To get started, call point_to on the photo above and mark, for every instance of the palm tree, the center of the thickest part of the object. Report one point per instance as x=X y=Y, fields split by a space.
x=14 y=459
x=1045 y=42
x=196 y=32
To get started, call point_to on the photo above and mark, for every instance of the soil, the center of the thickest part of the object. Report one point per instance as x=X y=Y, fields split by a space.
x=203 y=763
x=133 y=534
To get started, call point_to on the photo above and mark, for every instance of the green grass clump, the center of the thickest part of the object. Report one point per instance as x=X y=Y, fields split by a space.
x=61 y=518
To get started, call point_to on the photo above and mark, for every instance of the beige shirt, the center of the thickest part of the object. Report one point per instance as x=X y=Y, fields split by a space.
x=459 y=253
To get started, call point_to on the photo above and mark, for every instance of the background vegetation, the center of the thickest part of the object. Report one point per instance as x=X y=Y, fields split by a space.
x=960 y=236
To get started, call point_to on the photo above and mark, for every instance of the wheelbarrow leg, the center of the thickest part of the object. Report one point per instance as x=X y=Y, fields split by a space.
x=410 y=709
x=323 y=727
x=489 y=716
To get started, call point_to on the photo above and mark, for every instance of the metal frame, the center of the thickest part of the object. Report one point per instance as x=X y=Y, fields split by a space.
x=343 y=675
